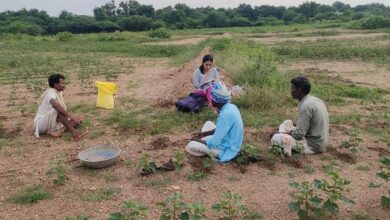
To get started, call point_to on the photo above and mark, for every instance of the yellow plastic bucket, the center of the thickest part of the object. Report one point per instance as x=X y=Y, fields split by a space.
x=105 y=97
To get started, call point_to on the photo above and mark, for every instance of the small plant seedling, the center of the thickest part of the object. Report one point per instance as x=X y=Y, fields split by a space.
x=178 y=160
x=30 y=195
x=277 y=151
x=58 y=168
x=309 y=170
x=384 y=173
x=174 y=208
x=110 y=177
x=309 y=202
x=231 y=208
x=131 y=210
x=146 y=166
x=248 y=154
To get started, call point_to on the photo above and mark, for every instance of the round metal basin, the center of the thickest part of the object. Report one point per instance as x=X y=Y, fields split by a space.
x=99 y=156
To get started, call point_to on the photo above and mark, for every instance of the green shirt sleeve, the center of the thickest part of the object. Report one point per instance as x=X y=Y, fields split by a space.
x=303 y=123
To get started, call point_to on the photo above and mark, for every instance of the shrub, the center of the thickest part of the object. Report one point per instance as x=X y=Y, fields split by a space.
x=239 y=22
x=375 y=22
x=160 y=33
x=135 y=23
x=64 y=36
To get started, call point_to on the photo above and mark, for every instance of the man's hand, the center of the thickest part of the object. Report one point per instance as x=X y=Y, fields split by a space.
x=196 y=136
x=273 y=133
x=75 y=120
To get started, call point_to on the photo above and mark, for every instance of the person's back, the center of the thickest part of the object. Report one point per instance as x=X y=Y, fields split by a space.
x=228 y=136
x=318 y=133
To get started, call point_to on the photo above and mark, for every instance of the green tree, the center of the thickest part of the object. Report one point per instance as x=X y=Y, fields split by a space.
x=135 y=23
x=216 y=19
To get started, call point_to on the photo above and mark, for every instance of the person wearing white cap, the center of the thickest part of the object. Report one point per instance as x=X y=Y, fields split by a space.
x=224 y=139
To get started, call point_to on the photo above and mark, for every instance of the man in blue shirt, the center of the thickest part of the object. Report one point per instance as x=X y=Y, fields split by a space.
x=224 y=139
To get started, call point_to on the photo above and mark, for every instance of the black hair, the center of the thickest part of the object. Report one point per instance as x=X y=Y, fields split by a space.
x=55 y=79
x=301 y=83
x=206 y=58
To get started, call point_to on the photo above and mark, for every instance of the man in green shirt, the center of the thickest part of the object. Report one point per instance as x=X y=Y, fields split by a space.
x=312 y=130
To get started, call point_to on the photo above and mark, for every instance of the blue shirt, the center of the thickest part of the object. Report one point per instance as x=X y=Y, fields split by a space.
x=229 y=133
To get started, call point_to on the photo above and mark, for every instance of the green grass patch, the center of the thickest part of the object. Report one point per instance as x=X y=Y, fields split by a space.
x=3 y=143
x=160 y=182
x=197 y=176
x=99 y=195
x=29 y=195
x=331 y=49
x=150 y=121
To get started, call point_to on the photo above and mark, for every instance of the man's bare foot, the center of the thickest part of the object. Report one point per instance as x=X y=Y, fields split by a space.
x=57 y=133
x=79 y=137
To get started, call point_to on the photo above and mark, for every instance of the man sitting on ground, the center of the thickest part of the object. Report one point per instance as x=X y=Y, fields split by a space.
x=224 y=139
x=312 y=130
x=52 y=116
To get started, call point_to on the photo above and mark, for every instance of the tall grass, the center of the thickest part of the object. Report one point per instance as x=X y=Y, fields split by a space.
x=254 y=68
x=332 y=50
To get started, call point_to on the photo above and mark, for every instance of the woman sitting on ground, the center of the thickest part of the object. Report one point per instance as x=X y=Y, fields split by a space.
x=205 y=76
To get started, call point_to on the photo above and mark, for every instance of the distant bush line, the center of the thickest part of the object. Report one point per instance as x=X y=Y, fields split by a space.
x=133 y=16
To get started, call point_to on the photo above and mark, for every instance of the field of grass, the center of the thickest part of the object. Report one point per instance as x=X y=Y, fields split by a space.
x=151 y=132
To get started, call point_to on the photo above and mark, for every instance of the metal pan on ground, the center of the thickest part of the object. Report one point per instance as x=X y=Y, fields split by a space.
x=99 y=156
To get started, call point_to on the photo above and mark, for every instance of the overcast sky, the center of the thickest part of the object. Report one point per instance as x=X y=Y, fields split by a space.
x=85 y=7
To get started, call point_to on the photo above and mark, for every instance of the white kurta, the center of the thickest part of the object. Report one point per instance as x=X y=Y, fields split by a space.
x=45 y=120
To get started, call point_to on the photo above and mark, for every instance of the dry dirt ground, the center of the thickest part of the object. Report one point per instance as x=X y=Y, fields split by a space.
x=24 y=161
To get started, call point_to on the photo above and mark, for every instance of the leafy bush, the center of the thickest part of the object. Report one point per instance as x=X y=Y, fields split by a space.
x=375 y=22
x=64 y=36
x=135 y=23
x=239 y=22
x=22 y=27
x=160 y=33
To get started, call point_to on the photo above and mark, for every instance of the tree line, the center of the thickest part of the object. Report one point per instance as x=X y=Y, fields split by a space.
x=133 y=16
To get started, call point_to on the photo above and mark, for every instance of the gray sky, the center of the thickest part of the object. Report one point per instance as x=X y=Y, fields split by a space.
x=85 y=7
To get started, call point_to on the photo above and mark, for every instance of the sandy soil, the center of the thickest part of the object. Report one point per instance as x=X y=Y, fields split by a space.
x=24 y=161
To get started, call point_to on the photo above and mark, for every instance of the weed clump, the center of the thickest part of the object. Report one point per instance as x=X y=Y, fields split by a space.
x=30 y=195
x=58 y=168
x=175 y=208
x=231 y=208
x=160 y=33
x=131 y=210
